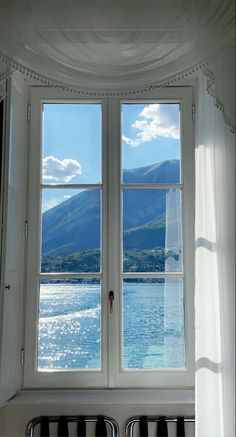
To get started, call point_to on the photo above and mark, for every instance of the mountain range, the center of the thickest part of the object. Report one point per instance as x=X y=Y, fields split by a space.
x=74 y=225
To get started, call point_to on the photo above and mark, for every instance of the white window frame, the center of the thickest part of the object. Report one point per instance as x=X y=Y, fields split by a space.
x=111 y=375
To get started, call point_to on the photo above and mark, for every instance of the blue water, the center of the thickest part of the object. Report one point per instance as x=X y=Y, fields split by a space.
x=69 y=334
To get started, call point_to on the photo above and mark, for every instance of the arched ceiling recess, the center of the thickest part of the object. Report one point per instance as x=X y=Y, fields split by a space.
x=112 y=46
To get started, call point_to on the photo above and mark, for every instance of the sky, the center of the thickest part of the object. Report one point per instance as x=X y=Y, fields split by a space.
x=72 y=142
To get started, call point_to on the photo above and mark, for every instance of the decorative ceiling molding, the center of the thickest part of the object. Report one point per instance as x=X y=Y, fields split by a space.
x=191 y=72
x=211 y=89
x=111 y=47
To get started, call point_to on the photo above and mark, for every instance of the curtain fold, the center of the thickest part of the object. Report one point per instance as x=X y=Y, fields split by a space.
x=214 y=269
x=112 y=47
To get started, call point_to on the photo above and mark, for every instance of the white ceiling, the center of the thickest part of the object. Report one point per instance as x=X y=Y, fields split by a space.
x=112 y=44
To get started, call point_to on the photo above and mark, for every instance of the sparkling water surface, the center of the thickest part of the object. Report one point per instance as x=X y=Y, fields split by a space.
x=69 y=334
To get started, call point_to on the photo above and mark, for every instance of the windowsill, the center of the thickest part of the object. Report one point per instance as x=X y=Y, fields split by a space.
x=106 y=396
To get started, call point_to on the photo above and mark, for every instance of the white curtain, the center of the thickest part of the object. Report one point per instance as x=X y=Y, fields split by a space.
x=215 y=263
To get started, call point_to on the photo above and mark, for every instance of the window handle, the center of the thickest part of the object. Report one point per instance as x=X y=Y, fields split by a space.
x=111 y=299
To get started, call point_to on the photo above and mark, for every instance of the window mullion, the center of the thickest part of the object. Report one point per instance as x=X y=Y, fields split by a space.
x=71 y=186
x=153 y=186
x=114 y=238
x=68 y=275
x=147 y=275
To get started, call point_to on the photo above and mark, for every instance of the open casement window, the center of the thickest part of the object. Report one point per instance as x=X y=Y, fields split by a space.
x=13 y=171
x=110 y=241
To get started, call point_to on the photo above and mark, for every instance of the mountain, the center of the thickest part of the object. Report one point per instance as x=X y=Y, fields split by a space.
x=166 y=172
x=74 y=225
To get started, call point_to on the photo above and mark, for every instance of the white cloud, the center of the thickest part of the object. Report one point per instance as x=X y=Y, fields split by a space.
x=155 y=120
x=60 y=170
x=67 y=196
x=130 y=141
x=50 y=203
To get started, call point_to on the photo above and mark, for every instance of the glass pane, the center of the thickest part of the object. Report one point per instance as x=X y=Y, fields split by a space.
x=71 y=143
x=69 y=331
x=152 y=230
x=153 y=324
x=151 y=142
x=71 y=230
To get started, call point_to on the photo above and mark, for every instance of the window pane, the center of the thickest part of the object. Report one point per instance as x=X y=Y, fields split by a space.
x=71 y=143
x=71 y=230
x=69 y=331
x=151 y=143
x=153 y=324
x=152 y=230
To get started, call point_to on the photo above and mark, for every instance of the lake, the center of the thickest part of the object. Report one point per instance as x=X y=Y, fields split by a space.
x=69 y=335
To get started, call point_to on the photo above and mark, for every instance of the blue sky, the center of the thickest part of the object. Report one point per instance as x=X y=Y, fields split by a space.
x=150 y=134
x=72 y=142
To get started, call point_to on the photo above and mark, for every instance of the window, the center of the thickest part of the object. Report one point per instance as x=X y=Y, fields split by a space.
x=110 y=241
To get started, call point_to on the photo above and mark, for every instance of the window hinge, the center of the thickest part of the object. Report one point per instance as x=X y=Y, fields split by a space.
x=193 y=112
x=22 y=357
x=28 y=112
x=26 y=229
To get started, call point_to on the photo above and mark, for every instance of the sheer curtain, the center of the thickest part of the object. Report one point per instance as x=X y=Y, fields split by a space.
x=215 y=287
x=173 y=291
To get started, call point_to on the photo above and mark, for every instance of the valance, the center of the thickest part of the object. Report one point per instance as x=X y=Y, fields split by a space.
x=112 y=47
